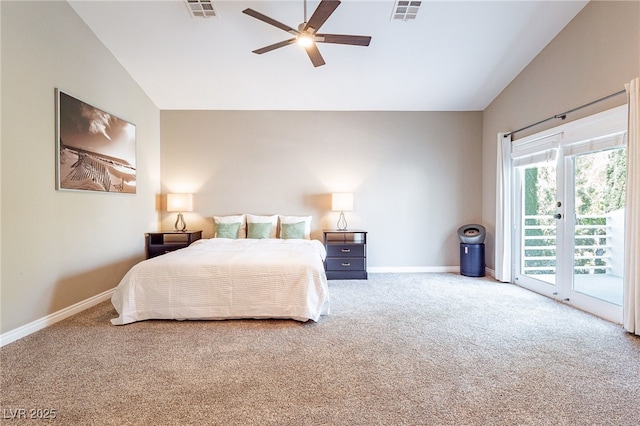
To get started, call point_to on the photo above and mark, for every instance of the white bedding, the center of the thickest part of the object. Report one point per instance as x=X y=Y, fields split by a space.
x=224 y=278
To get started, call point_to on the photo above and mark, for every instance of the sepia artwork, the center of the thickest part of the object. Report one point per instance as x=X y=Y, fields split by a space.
x=96 y=150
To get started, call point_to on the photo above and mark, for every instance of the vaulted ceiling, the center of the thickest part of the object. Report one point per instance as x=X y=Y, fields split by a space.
x=454 y=56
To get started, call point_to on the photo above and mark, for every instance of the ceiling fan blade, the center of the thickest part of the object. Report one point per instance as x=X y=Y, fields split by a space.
x=314 y=55
x=274 y=46
x=355 y=40
x=269 y=21
x=321 y=14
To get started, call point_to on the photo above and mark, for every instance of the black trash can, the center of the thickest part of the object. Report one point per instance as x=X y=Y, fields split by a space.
x=472 y=262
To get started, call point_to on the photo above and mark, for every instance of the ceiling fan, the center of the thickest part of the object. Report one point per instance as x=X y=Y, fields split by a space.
x=307 y=33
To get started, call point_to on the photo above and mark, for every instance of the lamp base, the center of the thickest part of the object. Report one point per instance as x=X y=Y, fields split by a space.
x=180 y=224
x=342 y=222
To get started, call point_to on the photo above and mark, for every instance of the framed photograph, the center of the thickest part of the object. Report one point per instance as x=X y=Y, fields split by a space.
x=96 y=150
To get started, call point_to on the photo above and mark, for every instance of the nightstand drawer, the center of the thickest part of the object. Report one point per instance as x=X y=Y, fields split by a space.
x=345 y=250
x=157 y=250
x=346 y=275
x=345 y=264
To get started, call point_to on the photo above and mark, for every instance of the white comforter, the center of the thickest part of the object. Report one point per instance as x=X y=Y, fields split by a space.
x=223 y=278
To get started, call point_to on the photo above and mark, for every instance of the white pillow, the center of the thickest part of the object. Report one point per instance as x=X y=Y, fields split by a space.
x=242 y=232
x=251 y=218
x=298 y=219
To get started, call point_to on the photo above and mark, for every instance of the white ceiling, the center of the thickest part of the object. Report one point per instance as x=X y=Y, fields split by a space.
x=455 y=56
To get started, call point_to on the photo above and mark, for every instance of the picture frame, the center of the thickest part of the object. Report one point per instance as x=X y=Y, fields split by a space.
x=96 y=151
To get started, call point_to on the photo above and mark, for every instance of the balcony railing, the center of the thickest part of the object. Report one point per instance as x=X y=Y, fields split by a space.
x=592 y=245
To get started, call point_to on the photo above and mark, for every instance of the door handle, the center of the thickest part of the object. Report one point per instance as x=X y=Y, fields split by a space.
x=557 y=216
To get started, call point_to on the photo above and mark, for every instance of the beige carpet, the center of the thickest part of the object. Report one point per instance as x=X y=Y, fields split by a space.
x=398 y=349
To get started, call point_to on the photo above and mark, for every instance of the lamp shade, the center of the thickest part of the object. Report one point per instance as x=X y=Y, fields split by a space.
x=342 y=201
x=179 y=202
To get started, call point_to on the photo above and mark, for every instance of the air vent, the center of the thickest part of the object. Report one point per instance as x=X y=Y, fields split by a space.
x=405 y=10
x=201 y=8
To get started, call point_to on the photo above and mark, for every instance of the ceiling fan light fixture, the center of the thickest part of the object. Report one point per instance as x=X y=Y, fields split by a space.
x=304 y=39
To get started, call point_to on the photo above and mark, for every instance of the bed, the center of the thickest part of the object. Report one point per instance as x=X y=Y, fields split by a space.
x=223 y=278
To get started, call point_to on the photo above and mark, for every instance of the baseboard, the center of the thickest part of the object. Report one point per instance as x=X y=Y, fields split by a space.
x=411 y=269
x=417 y=269
x=32 y=327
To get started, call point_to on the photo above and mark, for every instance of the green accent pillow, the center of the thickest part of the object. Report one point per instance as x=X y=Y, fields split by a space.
x=292 y=231
x=259 y=230
x=227 y=230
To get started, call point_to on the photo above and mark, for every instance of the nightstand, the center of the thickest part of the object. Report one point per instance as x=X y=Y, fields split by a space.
x=162 y=242
x=346 y=254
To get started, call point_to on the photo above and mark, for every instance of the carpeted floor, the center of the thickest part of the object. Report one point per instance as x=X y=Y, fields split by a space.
x=398 y=349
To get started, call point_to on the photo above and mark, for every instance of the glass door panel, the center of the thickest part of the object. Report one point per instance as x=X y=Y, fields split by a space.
x=538 y=228
x=598 y=242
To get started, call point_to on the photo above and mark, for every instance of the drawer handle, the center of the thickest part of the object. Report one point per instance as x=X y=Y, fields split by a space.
x=346 y=250
x=345 y=264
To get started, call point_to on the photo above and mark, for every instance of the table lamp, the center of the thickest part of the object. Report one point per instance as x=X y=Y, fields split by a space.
x=342 y=202
x=180 y=203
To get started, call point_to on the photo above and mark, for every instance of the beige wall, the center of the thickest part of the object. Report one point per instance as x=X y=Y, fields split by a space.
x=416 y=176
x=60 y=248
x=592 y=57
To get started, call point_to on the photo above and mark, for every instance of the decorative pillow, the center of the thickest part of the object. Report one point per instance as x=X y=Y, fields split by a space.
x=259 y=230
x=290 y=231
x=273 y=220
x=297 y=219
x=239 y=218
x=227 y=230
